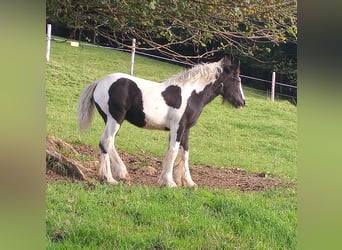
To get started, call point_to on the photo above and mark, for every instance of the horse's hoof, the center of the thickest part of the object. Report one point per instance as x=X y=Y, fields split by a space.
x=171 y=185
x=165 y=183
x=101 y=179
x=125 y=178
x=112 y=182
x=189 y=183
x=193 y=185
x=123 y=175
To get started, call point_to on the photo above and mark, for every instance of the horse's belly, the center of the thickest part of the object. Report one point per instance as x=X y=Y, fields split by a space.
x=155 y=121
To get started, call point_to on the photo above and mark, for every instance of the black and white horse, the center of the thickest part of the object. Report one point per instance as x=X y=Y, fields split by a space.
x=173 y=105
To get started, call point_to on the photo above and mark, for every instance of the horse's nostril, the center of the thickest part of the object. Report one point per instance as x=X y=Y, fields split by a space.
x=244 y=102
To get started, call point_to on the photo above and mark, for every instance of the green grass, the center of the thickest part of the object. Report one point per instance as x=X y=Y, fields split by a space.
x=261 y=137
x=121 y=217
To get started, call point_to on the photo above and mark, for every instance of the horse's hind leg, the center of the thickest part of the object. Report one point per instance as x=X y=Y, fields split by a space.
x=109 y=155
x=105 y=170
x=119 y=168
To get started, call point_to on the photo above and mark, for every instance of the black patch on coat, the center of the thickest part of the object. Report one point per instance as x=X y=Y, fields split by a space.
x=194 y=107
x=172 y=96
x=125 y=102
x=184 y=142
x=103 y=150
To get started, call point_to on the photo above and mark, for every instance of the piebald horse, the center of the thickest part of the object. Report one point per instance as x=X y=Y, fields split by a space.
x=173 y=105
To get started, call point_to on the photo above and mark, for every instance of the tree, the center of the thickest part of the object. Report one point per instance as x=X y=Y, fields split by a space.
x=206 y=27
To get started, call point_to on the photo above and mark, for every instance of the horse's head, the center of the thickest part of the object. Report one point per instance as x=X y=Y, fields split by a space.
x=229 y=78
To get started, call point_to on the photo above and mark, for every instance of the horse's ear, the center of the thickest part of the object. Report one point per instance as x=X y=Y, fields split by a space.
x=237 y=67
x=226 y=61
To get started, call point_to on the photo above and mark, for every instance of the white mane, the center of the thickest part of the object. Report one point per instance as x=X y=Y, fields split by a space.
x=206 y=72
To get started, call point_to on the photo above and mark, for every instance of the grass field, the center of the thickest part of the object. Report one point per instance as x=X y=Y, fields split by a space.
x=261 y=137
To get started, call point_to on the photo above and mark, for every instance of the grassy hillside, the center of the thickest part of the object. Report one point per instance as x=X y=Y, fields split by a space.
x=260 y=137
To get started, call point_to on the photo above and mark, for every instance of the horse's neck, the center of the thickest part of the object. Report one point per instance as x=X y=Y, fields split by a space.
x=209 y=93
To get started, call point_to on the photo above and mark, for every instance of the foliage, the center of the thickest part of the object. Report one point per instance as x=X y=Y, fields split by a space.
x=208 y=26
x=282 y=59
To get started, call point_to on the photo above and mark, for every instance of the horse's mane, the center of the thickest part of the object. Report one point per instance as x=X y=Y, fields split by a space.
x=205 y=72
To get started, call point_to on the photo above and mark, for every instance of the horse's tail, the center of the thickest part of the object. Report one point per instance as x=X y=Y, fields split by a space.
x=85 y=108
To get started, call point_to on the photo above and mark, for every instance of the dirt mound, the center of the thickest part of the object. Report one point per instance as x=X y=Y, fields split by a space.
x=144 y=170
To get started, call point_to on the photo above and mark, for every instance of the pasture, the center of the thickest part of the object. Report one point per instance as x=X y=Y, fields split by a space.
x=260 y=138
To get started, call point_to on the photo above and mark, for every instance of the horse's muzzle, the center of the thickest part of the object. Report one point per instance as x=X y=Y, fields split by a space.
x=239 y=106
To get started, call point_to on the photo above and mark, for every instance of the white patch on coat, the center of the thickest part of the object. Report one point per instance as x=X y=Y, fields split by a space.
x=241 y=91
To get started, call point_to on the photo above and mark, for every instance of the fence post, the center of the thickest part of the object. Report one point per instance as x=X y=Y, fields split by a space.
x=48 y=42
x=132 y=56
x=273 y=86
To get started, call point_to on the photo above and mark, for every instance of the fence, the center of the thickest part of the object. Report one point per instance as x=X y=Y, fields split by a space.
x=271 y=84
x=273 y=88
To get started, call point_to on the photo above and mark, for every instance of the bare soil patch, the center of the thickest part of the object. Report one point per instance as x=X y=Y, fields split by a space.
x=62 y=166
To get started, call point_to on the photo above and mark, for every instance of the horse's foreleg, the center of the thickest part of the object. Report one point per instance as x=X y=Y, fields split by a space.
x=166 y=178
x=179 y=168
x=186 y=177
x=182 y=171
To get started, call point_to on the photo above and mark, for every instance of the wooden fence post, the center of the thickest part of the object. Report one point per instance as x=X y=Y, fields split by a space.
x=48 y=42
x=132 y=56
x=273 y=86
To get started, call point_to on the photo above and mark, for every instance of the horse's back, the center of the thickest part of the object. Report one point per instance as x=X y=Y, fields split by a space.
x=106 y=82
